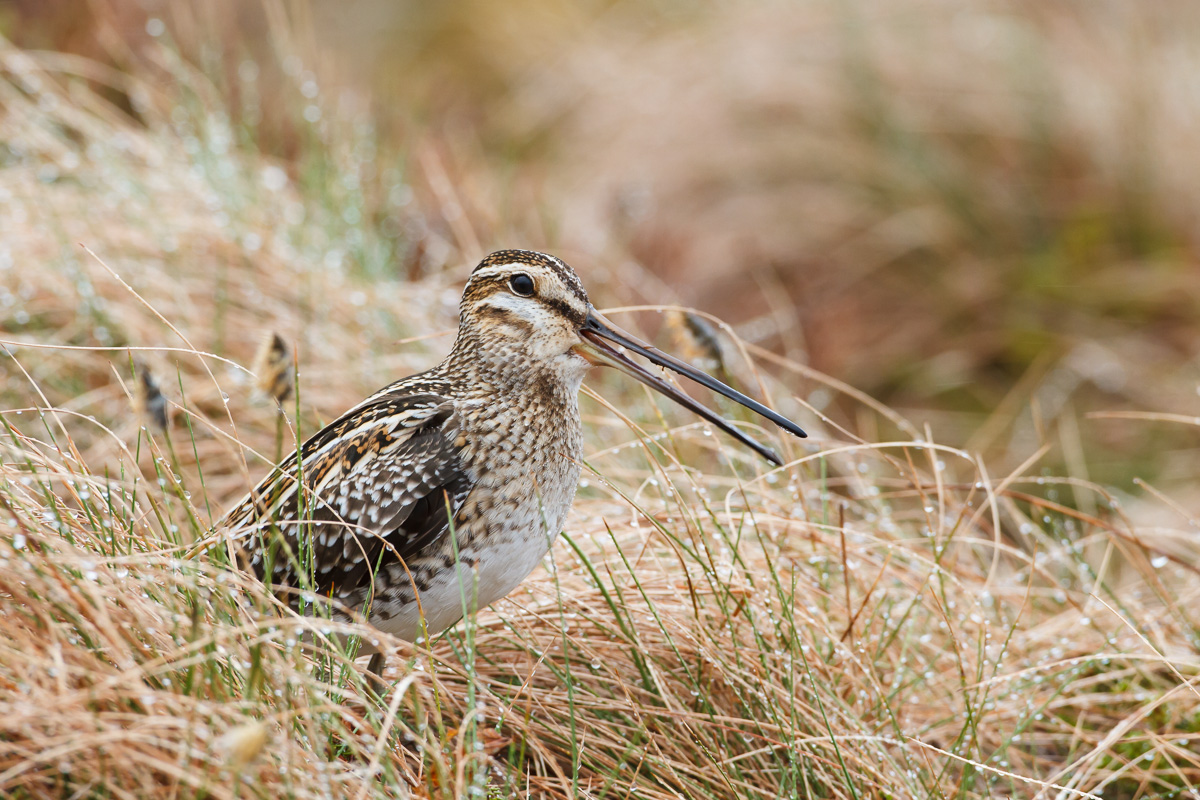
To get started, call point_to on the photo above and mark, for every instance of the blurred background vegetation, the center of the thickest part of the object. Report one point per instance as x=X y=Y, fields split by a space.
x=983 y=214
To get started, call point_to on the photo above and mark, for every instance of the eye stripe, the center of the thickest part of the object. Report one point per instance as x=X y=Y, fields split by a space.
x=508 y=317
x=489 y=287
x=479 y=288
x=562 y=309
x=485 y=285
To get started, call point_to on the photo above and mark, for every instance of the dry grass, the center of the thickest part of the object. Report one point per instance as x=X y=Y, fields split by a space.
x=881 y=618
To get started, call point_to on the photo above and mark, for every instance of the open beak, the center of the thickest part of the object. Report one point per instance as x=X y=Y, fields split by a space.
x=597 y=332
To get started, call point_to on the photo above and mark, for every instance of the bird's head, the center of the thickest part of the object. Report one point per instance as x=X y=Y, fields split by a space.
x=527 y=313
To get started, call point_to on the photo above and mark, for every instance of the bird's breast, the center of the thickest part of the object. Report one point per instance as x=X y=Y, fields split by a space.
x=525 y=464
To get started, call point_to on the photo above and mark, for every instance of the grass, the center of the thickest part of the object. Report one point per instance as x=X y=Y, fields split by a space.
x=883 y=617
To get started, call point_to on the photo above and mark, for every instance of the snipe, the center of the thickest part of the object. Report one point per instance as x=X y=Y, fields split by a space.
x=486 y=445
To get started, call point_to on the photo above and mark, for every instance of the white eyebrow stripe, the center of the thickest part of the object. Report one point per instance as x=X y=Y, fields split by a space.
x=494 y=270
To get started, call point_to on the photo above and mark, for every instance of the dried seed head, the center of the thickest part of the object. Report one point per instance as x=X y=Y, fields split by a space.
x=274 y=368
x=148 y=400
x=243 y=744
x=696 y=340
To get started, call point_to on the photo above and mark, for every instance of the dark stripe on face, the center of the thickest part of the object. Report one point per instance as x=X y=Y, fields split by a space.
x=564 y=310
x=486 y=287
x=508 y=317
x=480 y=288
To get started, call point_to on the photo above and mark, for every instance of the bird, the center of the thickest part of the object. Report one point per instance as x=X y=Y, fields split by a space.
x=440 y=493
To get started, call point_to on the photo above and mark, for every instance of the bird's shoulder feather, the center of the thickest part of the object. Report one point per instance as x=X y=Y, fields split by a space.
x=380 y=483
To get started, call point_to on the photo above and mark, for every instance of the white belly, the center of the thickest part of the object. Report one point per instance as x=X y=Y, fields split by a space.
x=500 y=569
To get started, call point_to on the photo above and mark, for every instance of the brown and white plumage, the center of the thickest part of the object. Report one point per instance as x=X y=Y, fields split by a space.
x=486 y=444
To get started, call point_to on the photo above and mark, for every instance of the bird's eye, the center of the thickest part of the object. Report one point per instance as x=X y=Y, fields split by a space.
x=521 y=284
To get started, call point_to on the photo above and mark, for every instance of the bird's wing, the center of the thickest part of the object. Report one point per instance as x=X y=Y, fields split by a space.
x=380 y=484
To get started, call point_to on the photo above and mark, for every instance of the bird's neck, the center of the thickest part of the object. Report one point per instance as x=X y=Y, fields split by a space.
x=506 y=370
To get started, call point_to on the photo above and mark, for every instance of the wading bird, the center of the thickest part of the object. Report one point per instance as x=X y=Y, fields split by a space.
x=454 y=482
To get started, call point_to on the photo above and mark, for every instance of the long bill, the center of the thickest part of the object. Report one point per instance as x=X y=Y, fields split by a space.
x=597 y=332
